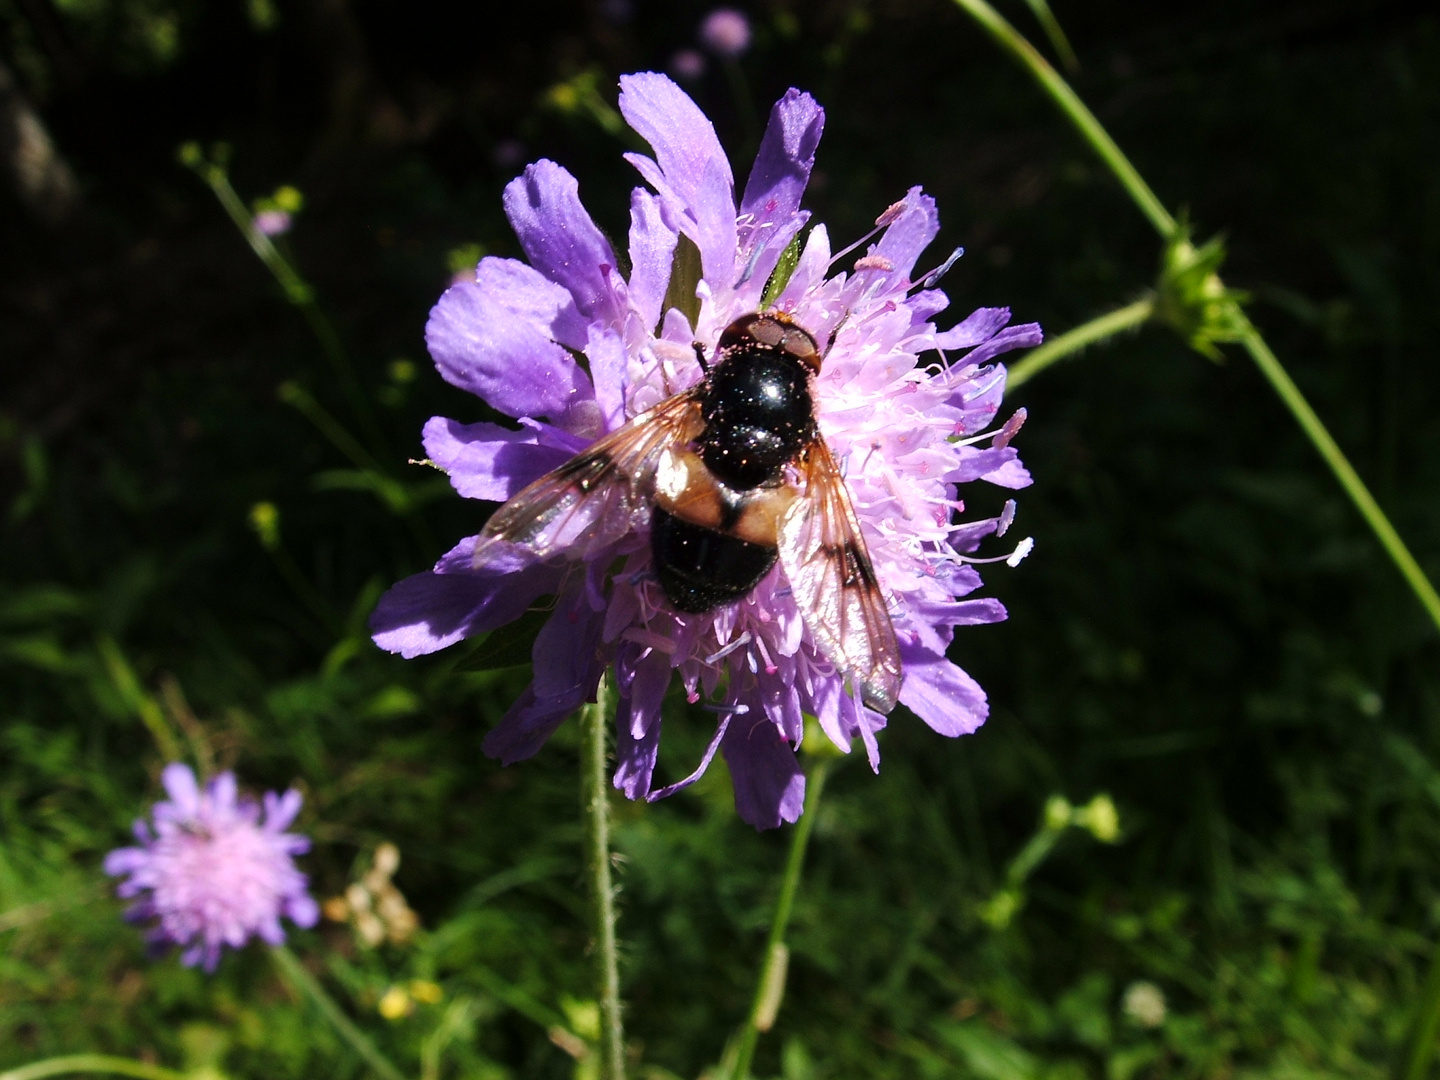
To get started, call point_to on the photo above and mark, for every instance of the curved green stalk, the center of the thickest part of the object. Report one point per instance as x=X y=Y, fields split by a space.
x=1013 y=42
x=595 y=809
x=1149 y=204
x=299 y=976
x=91 y=1063
x=1345 y=473
x=1072 y=341
x=771 y=985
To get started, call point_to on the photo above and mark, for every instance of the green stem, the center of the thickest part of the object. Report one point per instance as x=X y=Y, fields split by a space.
x=299 y=976
x=300 y=294
x=91 y=1063
x=1013 y=42
x=1145 y=199
x=771 y=984
x=1072 y=341
x=1280 y=380
x=1416 y=1064
x=595 y=809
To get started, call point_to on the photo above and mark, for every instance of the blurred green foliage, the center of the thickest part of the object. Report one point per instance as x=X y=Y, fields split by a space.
x=198 y=519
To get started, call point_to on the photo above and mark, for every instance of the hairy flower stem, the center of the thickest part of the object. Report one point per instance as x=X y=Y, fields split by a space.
x=771 y=985
x=595 y=809
x=1013 y=42
x=91 y=1063
x=299 y=976
x=1072 y=341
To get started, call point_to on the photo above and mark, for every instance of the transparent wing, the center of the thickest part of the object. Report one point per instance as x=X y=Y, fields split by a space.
x=594 y=497
x=834 y=583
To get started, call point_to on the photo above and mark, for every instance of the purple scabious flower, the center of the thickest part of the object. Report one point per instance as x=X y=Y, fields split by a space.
x=215 y=869
x=726 y=32
x=908 y=434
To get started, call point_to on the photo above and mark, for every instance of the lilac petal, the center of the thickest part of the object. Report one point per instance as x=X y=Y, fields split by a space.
x=705 y=760
x=430 y=611
x=528 y=724
x=1013 y=337
x=635 y=757
x=605 y=350
x=562 y=242
x=911 y=232
x=281 y=810
x=980 y=325
x=180 y=784
x=125 y=860
x=810 y=270
x=833 y=709
x=769 y=783
x=487 y=461
x=1010 y=474
x=977 y=463
x=566 y=648
x=940 y=693
x=691 y=163
x=781 y=702
x=787 y=154
x=302 y=910
x=652 y=253
x=496 y=337
x=960 y=612
x=978 y=399
x=269 y=931
x=769 y=211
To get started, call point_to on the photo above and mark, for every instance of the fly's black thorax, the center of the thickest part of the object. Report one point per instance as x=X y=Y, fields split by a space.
x=758 y=415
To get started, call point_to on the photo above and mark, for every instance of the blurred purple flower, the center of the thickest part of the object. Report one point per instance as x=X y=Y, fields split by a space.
x=272 y=222
x=507 y=153
x=726 y=33
x=909 y=434
x=215 y=869
x=687 y=65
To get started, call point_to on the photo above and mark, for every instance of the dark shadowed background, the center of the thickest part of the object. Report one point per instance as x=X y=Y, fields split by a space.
x=1206 y=630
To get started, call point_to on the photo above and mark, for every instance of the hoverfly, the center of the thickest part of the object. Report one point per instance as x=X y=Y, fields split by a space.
x=716 y=466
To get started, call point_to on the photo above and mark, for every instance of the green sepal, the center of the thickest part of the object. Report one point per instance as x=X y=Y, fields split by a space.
x=780 y=276
x=1193 y=300
x=684 y=280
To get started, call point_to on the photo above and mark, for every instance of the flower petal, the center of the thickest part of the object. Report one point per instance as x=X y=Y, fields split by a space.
x=652 y=253
x=910 y=233
x=692 y=164
x=637 y=722
x=705 y=759
x=430 y=611
x=498 y=337
x=1023 y=336
x=940 y=693
x=980 y=325
x=565 y=650
x=184 y=791
x=528 y=724
x=605 y=350
x=770 y=210
x=487 y=461
x=782 y=167
x=769 y=783
x=562 y=242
